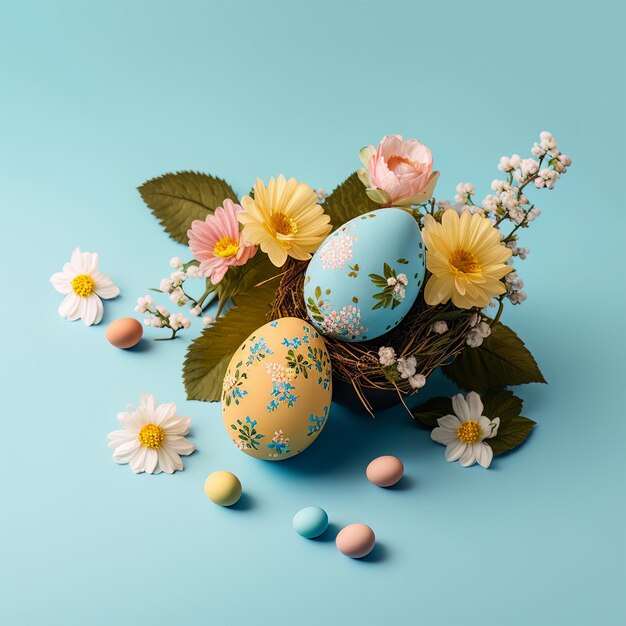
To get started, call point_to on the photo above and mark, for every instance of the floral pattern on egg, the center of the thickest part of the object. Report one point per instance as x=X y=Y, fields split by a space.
x=277 y=390
x=366 y=275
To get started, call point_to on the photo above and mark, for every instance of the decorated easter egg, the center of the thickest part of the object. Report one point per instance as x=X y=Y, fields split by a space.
x=365 y=276
x=277 y=390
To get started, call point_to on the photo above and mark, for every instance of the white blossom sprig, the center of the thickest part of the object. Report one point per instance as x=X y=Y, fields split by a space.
x=160 y=317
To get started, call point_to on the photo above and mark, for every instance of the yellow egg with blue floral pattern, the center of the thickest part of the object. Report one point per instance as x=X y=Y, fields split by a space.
x=277 y=390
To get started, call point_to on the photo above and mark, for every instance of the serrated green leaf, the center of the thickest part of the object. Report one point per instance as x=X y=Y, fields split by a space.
x=242 y=279
x=514 y=428
x=500 y=361
x=178 y=199
x=512 y=433
x=347 y=201
x=208 y=356
x=430 y=411
x=501 y=403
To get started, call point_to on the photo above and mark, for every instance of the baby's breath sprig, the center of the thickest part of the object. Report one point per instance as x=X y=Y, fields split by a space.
x=160 y=317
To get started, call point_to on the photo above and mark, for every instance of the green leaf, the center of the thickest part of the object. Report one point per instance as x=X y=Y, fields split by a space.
x=501 y=360
x=514 y=428
x=347 y=201
x=178 y=199
x=511 y=434
x=208 y=356
x=239 y=280
x=501 y=403
x=429 y=412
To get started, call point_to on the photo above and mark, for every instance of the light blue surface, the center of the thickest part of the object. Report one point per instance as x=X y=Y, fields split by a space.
x=341 y=296
x=98 y=97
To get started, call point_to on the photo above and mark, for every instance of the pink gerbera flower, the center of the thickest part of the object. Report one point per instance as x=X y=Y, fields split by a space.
x=217 y=242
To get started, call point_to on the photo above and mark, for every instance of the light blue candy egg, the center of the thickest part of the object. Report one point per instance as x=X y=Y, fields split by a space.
x=366 y=276
x=310 y=522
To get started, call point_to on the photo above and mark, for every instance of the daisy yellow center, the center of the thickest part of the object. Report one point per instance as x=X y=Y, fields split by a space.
x=469 y=432
x=226 y=247
x=151 y=436
x=83 y=285
x=464 y=261
x=283 y=225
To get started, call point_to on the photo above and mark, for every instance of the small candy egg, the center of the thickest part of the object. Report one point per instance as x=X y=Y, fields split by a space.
x=310 y=522
x=356 y=540
x=385 y=471
x=124 y=333
x=223 y=488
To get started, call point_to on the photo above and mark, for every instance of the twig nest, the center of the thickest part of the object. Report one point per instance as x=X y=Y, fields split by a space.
x=358 y=364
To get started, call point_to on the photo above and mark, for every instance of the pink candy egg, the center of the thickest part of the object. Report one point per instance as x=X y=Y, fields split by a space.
x=385 y=471
x=356 y=540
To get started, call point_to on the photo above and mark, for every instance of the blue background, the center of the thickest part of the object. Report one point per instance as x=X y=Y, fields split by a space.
x=97 y=98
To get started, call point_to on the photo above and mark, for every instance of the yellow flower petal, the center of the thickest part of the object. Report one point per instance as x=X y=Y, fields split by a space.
x=284 y=219
x=466 y=259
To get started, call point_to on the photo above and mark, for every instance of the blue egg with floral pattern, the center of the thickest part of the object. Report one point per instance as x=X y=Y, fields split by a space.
x=366 y=275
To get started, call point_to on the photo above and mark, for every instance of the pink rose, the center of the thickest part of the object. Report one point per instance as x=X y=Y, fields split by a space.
x=399 y=173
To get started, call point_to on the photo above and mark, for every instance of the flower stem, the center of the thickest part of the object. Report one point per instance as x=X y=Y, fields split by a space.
x=168 y=338
x=496 y=319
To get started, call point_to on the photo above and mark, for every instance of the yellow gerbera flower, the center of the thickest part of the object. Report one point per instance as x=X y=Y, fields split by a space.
x=284 y=219
x=466 y=259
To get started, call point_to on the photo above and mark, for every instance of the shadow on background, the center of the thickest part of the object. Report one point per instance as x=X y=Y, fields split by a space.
x=352 y=435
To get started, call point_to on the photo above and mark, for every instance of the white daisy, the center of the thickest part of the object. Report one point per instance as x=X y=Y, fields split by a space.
x=154 y=437
x=463 y=434
x=84 y=287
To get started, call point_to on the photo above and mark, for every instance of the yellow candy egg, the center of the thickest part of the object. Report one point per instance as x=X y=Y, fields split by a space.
x=277 y=390
x=223 y=488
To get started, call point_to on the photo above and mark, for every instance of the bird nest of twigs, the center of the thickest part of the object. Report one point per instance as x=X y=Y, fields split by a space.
x=358 y=363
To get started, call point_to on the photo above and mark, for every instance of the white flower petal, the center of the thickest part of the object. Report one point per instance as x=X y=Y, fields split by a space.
x=166 y=460
x=92 y=310
x=468 y=457
x=138 y=461
x=70 y=307
x=495 y=424
x=61 y=282
x=449 y=421
x=125 y=452
x=176 y=425
x=105 y=287
x=147 y=401
x=152 y=458
x=485 y=456
x=175 y=461
x=460 y=407
x=131 y=421
x=118 y=437
x=475 y=405
x=179 y=444
x=455 y=451
x=164 y=412
x=77 y=261
x=443 y=435
x=69 y=271
x=447 y=436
